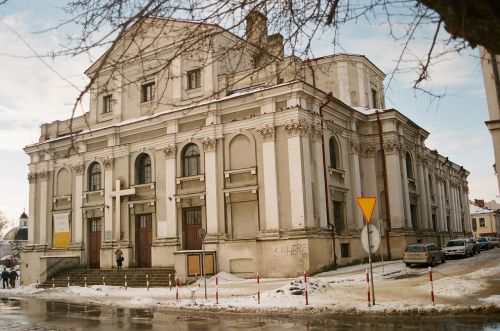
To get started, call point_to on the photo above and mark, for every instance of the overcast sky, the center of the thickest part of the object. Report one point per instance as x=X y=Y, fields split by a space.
x=32 y=93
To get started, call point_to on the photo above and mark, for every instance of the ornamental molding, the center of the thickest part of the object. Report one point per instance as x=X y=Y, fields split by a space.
x=78 y=168
x=316 y=132
x=393 y=146
x=43 y=175
x=209 y=144
x=296 y=129
x=268 y=132
x=170 y=151
x=107 y=163
x=364 y=148
x=32 y=177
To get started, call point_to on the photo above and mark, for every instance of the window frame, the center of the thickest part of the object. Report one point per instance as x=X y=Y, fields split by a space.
x=107 y=104
x=193 y=79
x=148 y=91
x=482 y=222
x=94 y=177
x=144 y=169
x=333 y=149
x=187 y=161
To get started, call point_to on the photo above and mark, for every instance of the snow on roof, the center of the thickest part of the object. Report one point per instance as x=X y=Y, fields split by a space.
x=370 y=111
x=474 y=209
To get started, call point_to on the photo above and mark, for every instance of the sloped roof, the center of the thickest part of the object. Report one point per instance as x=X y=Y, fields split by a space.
x=474 y=209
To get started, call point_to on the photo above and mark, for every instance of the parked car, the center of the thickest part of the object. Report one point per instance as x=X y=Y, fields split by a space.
x=428 y=254
x=494 y=241
x=458 y=247
x=475 y=245
x=484 y=243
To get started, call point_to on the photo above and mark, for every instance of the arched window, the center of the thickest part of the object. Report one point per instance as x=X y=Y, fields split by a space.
x=409 y=166
x=334 y=154
x=94 y=177
x=191 y=160
x=143 y=169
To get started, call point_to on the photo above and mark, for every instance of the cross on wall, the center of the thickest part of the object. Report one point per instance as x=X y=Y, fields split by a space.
x=118 y=194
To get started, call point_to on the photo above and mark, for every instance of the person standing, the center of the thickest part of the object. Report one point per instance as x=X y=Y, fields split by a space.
x=13 y=276
x=5 y=278
x=119 y=258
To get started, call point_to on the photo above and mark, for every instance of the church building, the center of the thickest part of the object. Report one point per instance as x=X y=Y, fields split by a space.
x=197 y=138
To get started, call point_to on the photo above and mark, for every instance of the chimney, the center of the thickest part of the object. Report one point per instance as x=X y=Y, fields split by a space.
x=479 y=203
x=275 y=45
x=256 y=29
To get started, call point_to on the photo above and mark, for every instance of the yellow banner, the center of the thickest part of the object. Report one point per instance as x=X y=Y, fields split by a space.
x=61 y=231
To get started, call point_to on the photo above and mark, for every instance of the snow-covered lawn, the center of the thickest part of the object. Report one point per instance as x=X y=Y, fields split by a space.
x=398 y=289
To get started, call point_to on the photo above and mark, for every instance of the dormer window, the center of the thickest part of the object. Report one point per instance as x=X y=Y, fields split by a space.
x=147 y=92
x=107 y=103
x=194 y=79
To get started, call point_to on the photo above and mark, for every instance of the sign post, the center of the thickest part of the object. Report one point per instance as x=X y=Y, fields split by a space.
x=367 y=205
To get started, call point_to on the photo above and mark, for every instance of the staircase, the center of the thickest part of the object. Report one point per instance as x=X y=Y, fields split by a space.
x=136 y=277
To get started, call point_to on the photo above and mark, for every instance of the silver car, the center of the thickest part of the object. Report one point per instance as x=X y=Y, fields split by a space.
x=458 y=247
x=428 y=254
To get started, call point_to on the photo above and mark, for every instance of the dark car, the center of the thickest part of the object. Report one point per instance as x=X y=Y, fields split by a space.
x=475 y=245
x=484 y=243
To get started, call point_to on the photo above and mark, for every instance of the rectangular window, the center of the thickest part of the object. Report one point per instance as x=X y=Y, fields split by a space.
x=107 y=101
x=338 y=216
x=474 y=224
x=344 y=250
x=374 y=98
x=482 y=224
x=147 y=92
x=194 y=79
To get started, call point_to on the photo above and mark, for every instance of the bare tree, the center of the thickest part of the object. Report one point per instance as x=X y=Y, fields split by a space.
x=4 y=222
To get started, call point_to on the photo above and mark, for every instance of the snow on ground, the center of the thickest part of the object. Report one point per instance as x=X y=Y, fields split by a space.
x=399 y=290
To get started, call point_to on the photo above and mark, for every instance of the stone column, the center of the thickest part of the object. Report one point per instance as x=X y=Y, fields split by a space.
x=77 y=203
x=427 y=197
x=210 y=147
x=108 y=202
x=442 y=206
x=343 y=79
x=170 y=228
x=423 y=193
x=176 y=70
x=395 y=187
x=44 y=176
x=270 y=178
x=406 y=191
x=32 y=225
x=317 y=136
x=296 y=173
x=355 y=179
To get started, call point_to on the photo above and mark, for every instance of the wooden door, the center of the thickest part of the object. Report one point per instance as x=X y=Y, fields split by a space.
x=191 y=225
x=144 y=240
x=94 y=242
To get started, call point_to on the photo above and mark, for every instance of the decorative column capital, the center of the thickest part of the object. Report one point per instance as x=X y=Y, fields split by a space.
x=316 y=132
x=32 y=177
x=268 y=132
x=296 y=129
x=44 y=175
x=209 y=144
x=107 y=163
x=169 y=151
x=392 y=146
x=78 y=168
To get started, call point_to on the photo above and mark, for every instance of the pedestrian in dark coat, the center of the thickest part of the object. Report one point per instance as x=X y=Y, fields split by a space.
x=119 y=258
x=13 y=276
x=5 y=278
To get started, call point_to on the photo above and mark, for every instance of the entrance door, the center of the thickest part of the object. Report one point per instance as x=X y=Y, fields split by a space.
x=144 y=240
x=191 y=225
x=94 y=242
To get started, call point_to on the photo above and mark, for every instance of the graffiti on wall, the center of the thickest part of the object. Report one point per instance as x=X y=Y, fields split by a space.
x=295 y=250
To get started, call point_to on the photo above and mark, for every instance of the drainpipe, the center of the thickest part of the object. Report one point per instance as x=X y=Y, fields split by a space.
x=386 y=196
x=332 y=225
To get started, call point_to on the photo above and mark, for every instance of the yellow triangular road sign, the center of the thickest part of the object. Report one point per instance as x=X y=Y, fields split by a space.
x=367 y=205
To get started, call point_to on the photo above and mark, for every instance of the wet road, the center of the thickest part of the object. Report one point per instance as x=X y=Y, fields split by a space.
x=40 y=315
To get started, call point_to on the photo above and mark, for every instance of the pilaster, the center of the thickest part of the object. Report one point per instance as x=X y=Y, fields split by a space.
x=32 y=225
x=210 y=148
x=170 y=228
x=317 y=137
x=43 y=176
x=77 y=203
x=395 y=188
x=108 y=201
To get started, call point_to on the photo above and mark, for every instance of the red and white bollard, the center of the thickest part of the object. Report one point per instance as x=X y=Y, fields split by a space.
x=258 y=288
x=177 y=289
x=103 y=281
x=170 y=281
x=126 y=285
x=368 y=287
x=432 y=286
x=147 y=282
x=217 y=290
x=305 y=293
x=85 y=281
x=53 y=285
x=68 y=280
